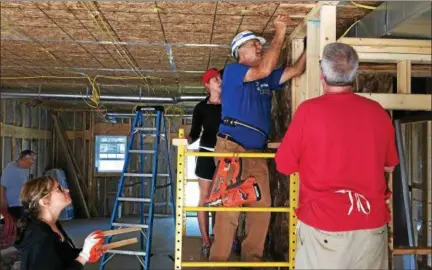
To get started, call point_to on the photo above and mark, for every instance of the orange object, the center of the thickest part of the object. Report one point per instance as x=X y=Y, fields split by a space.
x=8 y=229
x=227 y=187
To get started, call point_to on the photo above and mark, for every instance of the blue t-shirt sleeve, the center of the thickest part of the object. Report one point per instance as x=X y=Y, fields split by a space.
x=274 y=79
x=233 y=75
x=7 y=178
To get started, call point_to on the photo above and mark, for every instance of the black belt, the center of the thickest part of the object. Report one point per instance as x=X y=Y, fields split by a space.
x=229 y=121
x=229 y=138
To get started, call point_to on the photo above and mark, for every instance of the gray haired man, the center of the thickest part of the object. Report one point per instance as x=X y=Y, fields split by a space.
x=341 y=144
x=14 y=176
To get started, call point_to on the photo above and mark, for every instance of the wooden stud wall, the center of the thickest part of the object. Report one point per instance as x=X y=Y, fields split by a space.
x=401 y=52
x=24 y=126
x=82 y=127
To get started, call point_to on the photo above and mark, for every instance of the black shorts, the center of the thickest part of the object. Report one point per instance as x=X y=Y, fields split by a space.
x=205 y=166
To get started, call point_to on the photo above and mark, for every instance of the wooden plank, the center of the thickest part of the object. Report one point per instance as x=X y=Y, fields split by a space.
x=90 y=176
x=301 y=30
x=404 y=77
x=121 y=231
x=3 y=121
x=24 y=133
x=416 y=70
x=429 y=188
x=313 y=82
x=73 y=135
x=120 y=243
x=327 y=32
x=327 y=27
x=297 y=47
x=394 y=57
x=392 y=50
x=416 y=102
x=84 y=148
x=412 y=250
x=112 y=129
x=424 y=183
x=78 y=184
x=382 y=43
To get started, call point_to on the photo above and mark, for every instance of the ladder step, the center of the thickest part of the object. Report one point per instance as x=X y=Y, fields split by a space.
x=126 y=252
x=131 y=199
x=142 y=151
x=145 y=174
x=145 y=129
x=130 y=225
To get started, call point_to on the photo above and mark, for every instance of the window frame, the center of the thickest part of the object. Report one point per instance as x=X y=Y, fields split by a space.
x=118 y=151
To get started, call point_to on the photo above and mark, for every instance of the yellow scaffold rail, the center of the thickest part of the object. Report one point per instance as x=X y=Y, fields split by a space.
x=236 y=264
x=236 y=209
x=181 y=210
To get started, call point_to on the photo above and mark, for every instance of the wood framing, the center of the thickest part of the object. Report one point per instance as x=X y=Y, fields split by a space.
x=429 y=188
x=301 y=30
x=415 y=102
x=404 y=77
x=313 y=83
x=24 y=133
x=327 y=26
x=297 y=47
x=375 y=50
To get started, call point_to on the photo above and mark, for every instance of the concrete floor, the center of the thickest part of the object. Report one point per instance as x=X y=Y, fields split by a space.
x=162 y=246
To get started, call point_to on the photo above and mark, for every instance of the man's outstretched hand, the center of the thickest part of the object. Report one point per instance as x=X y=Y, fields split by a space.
x=281 y=23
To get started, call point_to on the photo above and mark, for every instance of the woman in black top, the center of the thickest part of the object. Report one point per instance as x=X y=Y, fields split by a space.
x=206 y=118
x=43 y=243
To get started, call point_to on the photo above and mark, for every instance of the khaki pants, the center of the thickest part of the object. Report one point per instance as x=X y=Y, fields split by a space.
x=361 y=249
x=256 y=223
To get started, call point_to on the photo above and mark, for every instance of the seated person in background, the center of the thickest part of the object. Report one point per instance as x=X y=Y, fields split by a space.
x=42 y=242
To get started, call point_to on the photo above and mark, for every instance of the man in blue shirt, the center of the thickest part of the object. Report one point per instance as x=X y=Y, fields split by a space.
x=14 y=176
x=246 y=117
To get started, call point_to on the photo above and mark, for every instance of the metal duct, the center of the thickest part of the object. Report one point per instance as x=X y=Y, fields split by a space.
x=131 y=99
x=405 y=19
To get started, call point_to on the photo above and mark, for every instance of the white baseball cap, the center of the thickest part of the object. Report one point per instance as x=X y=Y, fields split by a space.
x=241 y=38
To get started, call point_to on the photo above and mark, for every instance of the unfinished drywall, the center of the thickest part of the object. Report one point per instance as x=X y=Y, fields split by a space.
x=25 y=125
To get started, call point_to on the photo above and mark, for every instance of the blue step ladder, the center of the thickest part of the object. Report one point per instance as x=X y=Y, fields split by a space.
x=139 y=130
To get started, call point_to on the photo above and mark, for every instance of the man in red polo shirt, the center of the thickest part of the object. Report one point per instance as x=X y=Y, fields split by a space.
x=341 y=144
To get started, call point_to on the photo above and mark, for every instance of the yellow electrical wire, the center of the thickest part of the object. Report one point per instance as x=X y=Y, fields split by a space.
x=40 y=77
x=117 y=47
x=363 y=6
x=349 y=28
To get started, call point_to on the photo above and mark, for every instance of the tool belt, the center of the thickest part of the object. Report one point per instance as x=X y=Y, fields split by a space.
x=229 y=121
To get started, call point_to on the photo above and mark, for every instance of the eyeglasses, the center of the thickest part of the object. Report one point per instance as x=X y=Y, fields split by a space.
x=59 y=188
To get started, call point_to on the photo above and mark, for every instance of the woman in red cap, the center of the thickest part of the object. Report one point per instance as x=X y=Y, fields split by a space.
x=206 y=118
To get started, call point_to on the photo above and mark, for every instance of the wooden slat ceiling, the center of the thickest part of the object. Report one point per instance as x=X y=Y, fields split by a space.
x=75 y=39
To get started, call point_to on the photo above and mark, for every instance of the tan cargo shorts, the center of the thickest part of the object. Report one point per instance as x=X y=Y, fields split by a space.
x=360 y=249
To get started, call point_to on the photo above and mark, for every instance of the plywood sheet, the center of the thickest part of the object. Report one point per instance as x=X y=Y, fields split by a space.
x=71 y=33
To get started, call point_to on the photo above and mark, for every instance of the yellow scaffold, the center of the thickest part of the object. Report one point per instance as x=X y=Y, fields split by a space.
x=181 y=210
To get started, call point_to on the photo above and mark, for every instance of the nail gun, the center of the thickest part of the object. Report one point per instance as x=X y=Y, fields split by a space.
x=227 y=187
